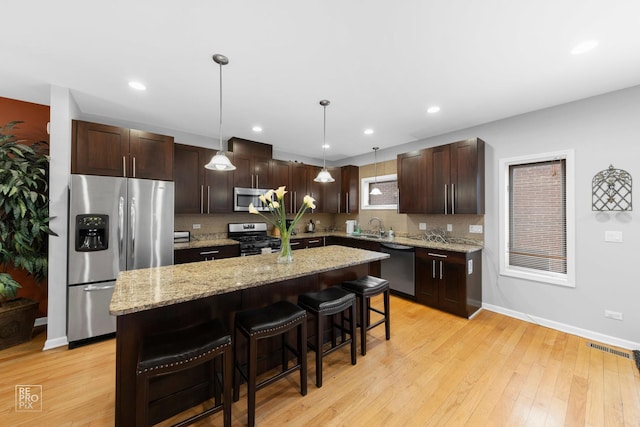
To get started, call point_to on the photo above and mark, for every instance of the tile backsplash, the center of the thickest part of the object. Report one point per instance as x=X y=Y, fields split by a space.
x=215 y=225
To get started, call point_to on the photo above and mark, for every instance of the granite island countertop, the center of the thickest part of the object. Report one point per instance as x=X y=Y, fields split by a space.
x=148 y=288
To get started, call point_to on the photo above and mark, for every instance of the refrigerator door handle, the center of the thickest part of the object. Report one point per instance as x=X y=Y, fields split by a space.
x=121 y=226
x=97 y=288
x=132 y=227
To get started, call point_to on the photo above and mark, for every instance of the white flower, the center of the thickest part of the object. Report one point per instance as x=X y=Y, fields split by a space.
x=280 y=192
x=308 y=200
x=252 y=209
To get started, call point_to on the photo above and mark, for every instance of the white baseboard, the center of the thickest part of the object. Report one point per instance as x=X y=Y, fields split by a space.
x=584 y=333
x=50 y=343
x=55 y=343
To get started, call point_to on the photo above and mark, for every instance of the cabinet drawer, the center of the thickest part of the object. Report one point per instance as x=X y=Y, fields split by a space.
x=451 y=257
x=208 y=253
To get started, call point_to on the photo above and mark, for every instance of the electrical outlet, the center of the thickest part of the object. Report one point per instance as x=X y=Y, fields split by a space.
x=613 y=315
x=475 y=229
x=613 y=236
x=317 y=221
x=422 y=226
x=449 y=227
x=196 y=226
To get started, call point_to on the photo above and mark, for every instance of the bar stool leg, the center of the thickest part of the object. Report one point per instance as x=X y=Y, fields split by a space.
x=252 y=365
x=302 y=356
x=227 y=378
x=363 y=324
x=236 y=363
x=319 y=340
x=352 y=326
x=387 y=316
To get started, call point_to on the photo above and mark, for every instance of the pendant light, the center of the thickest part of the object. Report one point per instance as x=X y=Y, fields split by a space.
x=375 y=191
x=220 y=162
x=324 y=175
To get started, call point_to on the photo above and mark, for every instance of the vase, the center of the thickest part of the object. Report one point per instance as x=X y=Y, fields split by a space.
x=285 y=256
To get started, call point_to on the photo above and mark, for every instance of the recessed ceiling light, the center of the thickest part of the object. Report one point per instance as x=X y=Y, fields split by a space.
x=256 y=129
x=137 y=86
x=433 y=109
x=368 y=131
x=326 y=146
x=584 y=47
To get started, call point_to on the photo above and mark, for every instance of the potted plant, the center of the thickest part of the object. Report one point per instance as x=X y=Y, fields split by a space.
x=24 y=230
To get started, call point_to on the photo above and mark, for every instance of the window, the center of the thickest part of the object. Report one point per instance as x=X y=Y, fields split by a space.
x=388 y=185
x=537 y=221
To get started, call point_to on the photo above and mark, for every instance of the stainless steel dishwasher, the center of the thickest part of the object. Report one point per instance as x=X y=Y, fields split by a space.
x=399 y=268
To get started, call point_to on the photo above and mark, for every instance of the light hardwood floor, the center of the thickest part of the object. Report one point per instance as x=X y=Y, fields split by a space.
x=436 y=370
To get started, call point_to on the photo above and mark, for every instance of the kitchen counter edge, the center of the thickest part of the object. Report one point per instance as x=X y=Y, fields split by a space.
x=415 y=242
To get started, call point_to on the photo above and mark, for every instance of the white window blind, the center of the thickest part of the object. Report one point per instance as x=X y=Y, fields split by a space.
x=538 y=216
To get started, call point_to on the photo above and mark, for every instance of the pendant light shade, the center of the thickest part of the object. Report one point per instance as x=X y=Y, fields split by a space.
x=375 y=191
x=220 y=162
x=324 y=175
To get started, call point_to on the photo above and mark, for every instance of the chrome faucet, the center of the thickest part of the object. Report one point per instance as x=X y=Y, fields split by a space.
x=381 y=231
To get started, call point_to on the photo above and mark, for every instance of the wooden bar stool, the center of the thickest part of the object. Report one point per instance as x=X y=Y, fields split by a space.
x=365 y=288
x=328 y=303
x=169 y=352
x=256 y=324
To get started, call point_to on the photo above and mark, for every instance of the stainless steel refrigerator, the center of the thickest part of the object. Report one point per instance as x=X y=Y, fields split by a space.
x=115 y=224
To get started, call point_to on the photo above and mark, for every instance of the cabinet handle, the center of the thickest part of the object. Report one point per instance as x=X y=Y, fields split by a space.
x=134 y=167
x=313 y=241
x=208 y=199
x=453 y=199
x=433 y=268
x=294 y=243
x=202 y=199
x=440 y=270
x=339 y=197
x=257 y=182
x=209 y=252
x=347 y=200
x=124 y=166
x=398 y=205
x=438 y=255
x=295 y=202
x=446 y=190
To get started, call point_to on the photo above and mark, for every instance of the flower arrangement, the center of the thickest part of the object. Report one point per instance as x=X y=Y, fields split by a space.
x=278 y=218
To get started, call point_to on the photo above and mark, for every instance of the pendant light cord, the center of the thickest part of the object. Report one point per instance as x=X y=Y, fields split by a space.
x=221 y=107
x=324 y=139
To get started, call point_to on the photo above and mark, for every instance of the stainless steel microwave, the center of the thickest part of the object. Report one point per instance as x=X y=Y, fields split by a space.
x=242 y=197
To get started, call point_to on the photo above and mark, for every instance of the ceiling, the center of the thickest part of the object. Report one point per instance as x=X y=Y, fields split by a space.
x=380 y=63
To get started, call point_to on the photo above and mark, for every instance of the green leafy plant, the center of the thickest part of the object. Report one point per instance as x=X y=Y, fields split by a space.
x=24 y=209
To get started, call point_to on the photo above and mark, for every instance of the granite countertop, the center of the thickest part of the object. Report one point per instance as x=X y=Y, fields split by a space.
x=148 y=288
x=417 y=242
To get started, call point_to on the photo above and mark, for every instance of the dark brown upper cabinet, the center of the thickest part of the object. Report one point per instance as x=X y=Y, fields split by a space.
x=251 y=160
x=447 y=179
x=200 y=190
x=98 y=149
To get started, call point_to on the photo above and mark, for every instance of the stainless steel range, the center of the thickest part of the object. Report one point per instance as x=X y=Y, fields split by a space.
x=253 y=237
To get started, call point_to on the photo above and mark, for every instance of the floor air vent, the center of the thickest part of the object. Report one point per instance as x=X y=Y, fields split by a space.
x=610 y=350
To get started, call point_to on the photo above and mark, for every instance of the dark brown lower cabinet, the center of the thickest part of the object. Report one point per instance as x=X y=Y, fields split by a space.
x=449 y=281
x=182 y=256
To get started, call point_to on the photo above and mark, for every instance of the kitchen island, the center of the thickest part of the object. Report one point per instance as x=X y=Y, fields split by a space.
x=149 y=301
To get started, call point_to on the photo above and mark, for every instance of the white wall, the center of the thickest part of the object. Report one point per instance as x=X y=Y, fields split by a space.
x=602 y=130
x=63 y=110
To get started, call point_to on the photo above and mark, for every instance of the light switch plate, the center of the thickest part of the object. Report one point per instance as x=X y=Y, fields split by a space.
x=422 y=226
x=196 y=226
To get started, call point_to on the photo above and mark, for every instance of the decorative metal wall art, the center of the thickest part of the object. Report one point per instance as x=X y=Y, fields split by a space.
x=611 y=190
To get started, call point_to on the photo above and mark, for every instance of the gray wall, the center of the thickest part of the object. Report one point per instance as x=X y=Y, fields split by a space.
x=601 y=130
